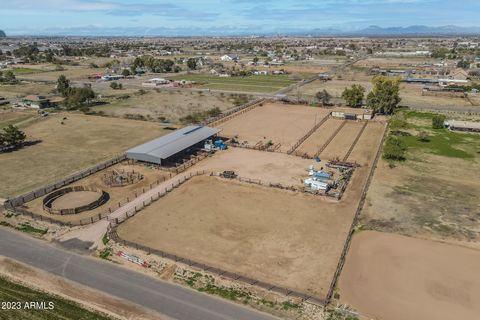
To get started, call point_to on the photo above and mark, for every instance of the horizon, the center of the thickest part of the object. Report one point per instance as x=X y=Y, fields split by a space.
x=233 y=18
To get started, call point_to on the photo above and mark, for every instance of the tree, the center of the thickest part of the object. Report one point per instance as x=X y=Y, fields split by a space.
x=323 y=97
x=438 y=121
x=394 y=149
x=9 y=77
x=126 y=72
x=463 y=64
x=255 y=60
x=384 y=97
x=192 y=64
x=78 y=97
x=12 y=136
x=354 y=96
x=114 y=85
x=63 y=85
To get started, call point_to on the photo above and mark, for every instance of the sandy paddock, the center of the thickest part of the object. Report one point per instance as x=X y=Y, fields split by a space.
x=117 y=194
x=388 y=276
x=278 y=122
x=313 y=144
x=288 y=239
x=75 y=199
x=338 y=147
x=267 y=166
x=363 y=152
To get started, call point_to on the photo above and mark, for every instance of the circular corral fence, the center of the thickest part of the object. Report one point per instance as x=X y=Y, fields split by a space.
x=73 y=200
x=120 y=178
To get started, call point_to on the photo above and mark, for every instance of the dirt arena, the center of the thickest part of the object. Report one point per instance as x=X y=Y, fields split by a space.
x=343 y=140
x=313 y=144
x=288 y=239
x=267 y=166
x=116 y=194
x=75 y=199
x=276 y=122
x=338 y=147
x=388 y=276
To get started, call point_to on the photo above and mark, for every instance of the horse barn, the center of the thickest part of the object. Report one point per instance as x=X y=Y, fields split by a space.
x=172 y=147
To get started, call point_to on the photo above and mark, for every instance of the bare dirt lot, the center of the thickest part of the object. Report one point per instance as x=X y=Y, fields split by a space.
x=67 y=146
x=275 y=122
x=394 y=277
x=266 y=166
x=288 y=239
x=116 y=194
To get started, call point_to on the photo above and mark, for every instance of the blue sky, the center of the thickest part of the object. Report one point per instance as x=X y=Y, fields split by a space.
x=226 y=16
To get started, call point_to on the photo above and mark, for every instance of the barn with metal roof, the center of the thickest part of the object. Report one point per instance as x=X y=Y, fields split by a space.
x=160 y=149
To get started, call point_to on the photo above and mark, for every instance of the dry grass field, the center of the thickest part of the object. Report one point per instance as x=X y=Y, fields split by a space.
x=79 y=142
x=275 y=122
x=288 y=239
x=170 y=105
x=433 y=194
x=411 y=95
x=393 y=277
x=23 y=89
x=116 y=194
x=71 y=72
x=8 y=117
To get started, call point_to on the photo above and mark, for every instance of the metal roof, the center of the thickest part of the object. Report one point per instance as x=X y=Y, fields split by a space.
x=170 y=144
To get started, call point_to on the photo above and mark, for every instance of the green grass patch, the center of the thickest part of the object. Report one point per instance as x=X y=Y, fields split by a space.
x=21 y=296
x=25 y=227
x=262 y=84
x=105 y=239
x=106 y=253
x=445 y=143
x=227 y=293
x=19 y=71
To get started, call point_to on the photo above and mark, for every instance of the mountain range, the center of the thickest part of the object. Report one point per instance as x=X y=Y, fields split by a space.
x=371 y=31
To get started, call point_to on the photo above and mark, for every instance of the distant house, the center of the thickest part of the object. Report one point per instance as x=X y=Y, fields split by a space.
x=260 y=72
x=155 y=82
x=230 y=57
x=35 y=102
x=458 y=74
x=468 y=126
x=112 y=77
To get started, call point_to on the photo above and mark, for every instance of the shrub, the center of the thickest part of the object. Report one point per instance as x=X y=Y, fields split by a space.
x=438 y=120
x=394 y=149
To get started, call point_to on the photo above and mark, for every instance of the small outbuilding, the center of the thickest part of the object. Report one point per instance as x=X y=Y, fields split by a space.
x=159 y=150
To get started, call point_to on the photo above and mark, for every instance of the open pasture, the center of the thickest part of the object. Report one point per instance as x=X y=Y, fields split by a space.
x=69 y=142
x=262 y=84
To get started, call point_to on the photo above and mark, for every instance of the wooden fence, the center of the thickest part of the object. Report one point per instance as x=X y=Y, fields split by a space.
x=29 y=196
x=112 y=231
x=232 y=113
x=361 y=203
x=308 y=134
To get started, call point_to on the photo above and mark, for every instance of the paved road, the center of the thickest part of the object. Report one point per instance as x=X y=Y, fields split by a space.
x=168 y=299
